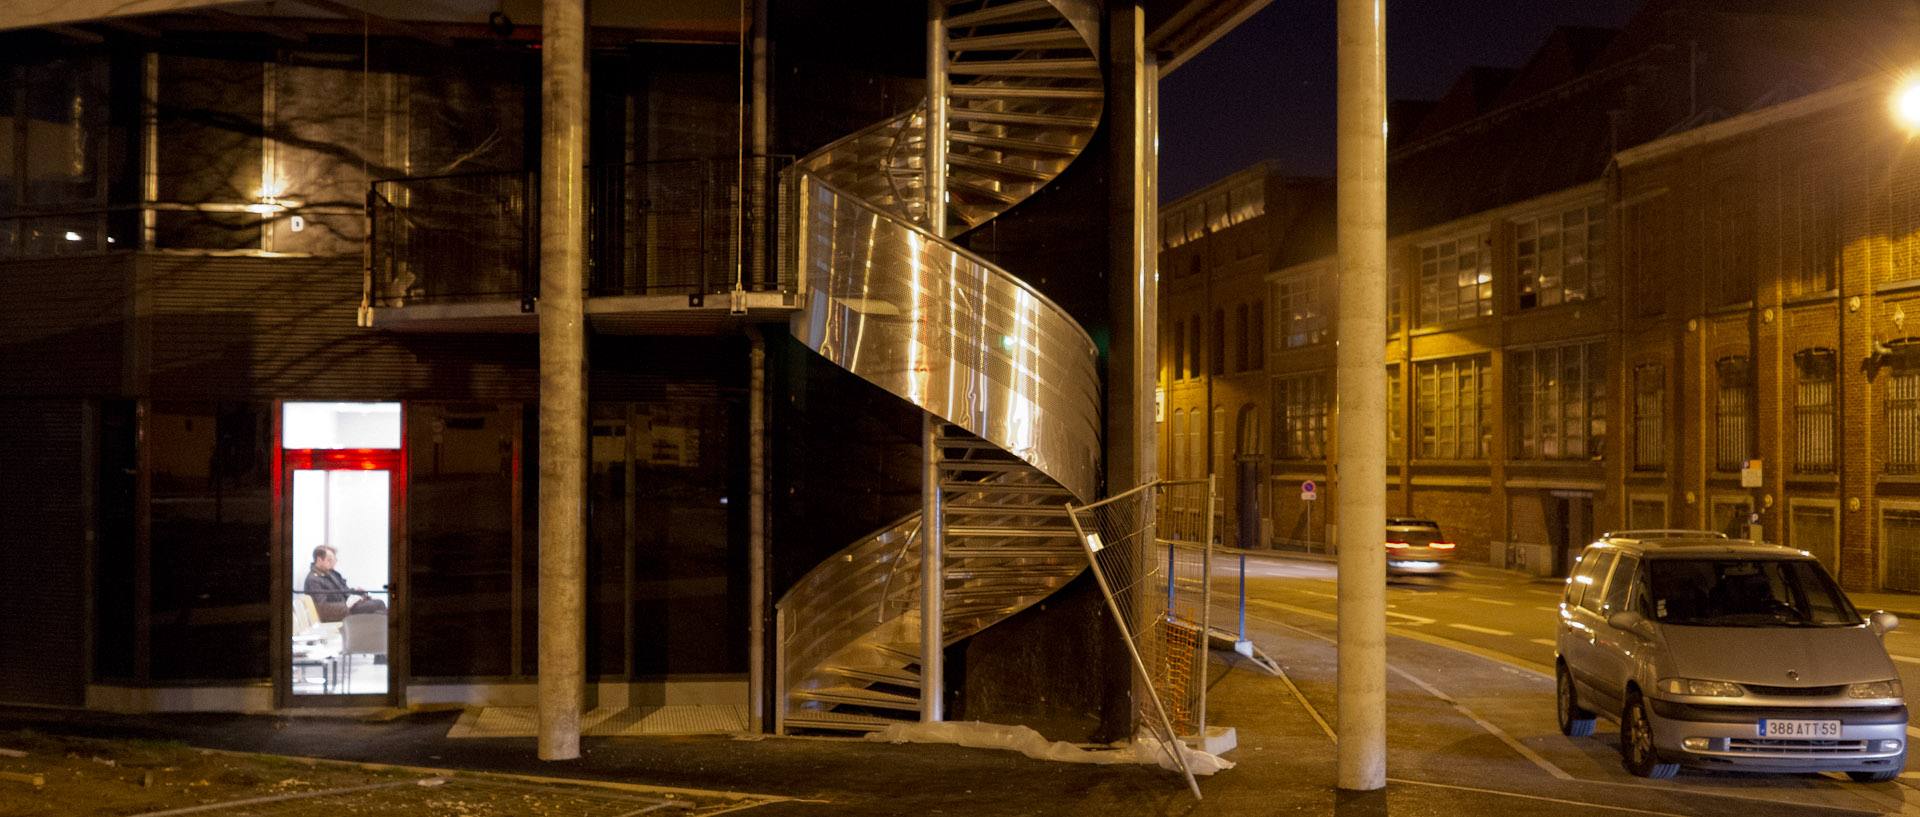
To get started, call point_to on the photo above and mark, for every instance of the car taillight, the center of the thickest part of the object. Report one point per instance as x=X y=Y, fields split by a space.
x=1441 y=545
x=1396 y=545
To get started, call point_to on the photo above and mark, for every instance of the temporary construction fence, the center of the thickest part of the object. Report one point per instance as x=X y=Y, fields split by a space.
x=1150 y=552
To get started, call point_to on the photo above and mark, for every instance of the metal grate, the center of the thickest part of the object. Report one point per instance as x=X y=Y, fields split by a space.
x=1156 y=586
x=474 y=797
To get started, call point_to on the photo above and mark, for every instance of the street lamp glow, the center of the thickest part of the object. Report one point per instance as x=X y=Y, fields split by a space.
x=1906 y=103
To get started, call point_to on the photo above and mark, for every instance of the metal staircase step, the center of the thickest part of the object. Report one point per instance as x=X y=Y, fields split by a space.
x=1044 y=120
x=1079 y=68
x=1005 y=171
x=1022 y=11
x=1003 y=466
x=998 y=592
x=1043 y=489
x=904 y=650
x=957 y=509
x=963 y=188
x=959 y=612
x=981 y=91
x=1018 y=40
x=1056 y=571
x=836 y=721
x=1023 y=552
x=1007 y=532
x=1007 y=143
x=859 y=696
x=878 y=674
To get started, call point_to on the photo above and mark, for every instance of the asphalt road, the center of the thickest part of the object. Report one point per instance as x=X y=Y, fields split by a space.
x=1480 y=643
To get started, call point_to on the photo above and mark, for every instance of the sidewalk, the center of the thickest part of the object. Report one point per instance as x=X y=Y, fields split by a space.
x=1446 y=756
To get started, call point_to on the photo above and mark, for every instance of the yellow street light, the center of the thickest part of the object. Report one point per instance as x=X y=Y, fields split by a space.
x=1906 y=102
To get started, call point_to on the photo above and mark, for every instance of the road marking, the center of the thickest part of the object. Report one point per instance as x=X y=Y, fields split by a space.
x=1546 y=642
x=1906 y=658
x=1490 y=601
x=1411 y=619
x=1313 y=593
x=1548 y=609
x=1472 y=629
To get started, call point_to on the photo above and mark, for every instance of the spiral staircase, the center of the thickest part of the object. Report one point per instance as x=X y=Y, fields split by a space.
x=1008 y=378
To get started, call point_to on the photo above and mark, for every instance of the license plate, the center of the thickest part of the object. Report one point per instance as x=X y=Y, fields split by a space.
x=1777 y=728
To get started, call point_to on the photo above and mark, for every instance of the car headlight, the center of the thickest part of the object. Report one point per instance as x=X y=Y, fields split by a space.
x=1694 y=686
x=1875 y=689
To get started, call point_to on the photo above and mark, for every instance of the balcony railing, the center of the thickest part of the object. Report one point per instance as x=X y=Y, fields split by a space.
x=690 y=228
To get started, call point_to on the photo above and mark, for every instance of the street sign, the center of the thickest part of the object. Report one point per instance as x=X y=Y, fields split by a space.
x=1307 y=493
x=1750 y=474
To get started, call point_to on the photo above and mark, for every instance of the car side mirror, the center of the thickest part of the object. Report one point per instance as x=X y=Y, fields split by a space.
x=1626 y=620
x=1881 y=621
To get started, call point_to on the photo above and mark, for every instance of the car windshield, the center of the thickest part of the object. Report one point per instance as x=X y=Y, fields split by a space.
x=1732 y=592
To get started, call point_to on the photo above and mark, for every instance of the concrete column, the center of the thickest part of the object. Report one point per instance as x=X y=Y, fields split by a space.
x=563 y=401
x=757 y=525
x=1361 y=210
x=936 y=132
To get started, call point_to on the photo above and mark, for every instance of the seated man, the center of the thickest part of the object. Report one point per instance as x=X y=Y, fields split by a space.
x=330 y=590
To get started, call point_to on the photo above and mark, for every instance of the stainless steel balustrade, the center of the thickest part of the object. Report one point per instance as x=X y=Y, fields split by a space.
x=947 y=331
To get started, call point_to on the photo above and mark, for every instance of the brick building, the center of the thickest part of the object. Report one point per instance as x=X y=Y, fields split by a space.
x=1645 y=264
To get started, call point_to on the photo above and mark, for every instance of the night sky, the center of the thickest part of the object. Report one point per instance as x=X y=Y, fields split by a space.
x=1266 y=89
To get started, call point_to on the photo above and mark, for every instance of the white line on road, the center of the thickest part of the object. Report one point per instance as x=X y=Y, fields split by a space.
x=1907 y=658
x=1545 y=642
x=1472 y=629
x=1490 y=601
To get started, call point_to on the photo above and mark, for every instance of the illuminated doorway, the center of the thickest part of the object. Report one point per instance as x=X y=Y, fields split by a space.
x=341 y=472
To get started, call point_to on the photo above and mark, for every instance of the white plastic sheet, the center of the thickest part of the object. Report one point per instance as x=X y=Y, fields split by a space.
x=973 y=734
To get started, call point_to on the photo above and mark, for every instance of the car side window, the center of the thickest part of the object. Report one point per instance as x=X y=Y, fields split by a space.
x=1592 y=571
x=1620 y=584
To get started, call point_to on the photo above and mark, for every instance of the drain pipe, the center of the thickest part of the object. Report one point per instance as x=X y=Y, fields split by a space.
x=933 y=578
x=935 y=161
x=563 y=405
x=1361 y=207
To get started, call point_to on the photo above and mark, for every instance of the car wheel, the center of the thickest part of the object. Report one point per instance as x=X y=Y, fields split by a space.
x=1636 y=741
x=1882 y=776
x=1574 y=721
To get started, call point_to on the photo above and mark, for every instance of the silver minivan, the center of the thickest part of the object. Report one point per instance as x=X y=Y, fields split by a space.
x=1728 y=654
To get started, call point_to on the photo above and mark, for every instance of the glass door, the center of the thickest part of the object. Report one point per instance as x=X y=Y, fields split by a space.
x=341 y=474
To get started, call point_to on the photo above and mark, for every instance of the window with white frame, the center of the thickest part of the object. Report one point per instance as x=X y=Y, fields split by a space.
x=1903 y=416
x=1557 y=256
x=1259 y=336
x=1729 y=514
x=1816 y=214
x=1179 y=367
x=1455 y=408
x=1300 y=417
x=1302 y=322
x=1733 y=414
x=1647 y=512
x=1814 y=527
x=1900 y=536
x=1649 y=417
x=1396 y=416
x=1456 y=280
x=1559 y=402
x=1813 y=440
